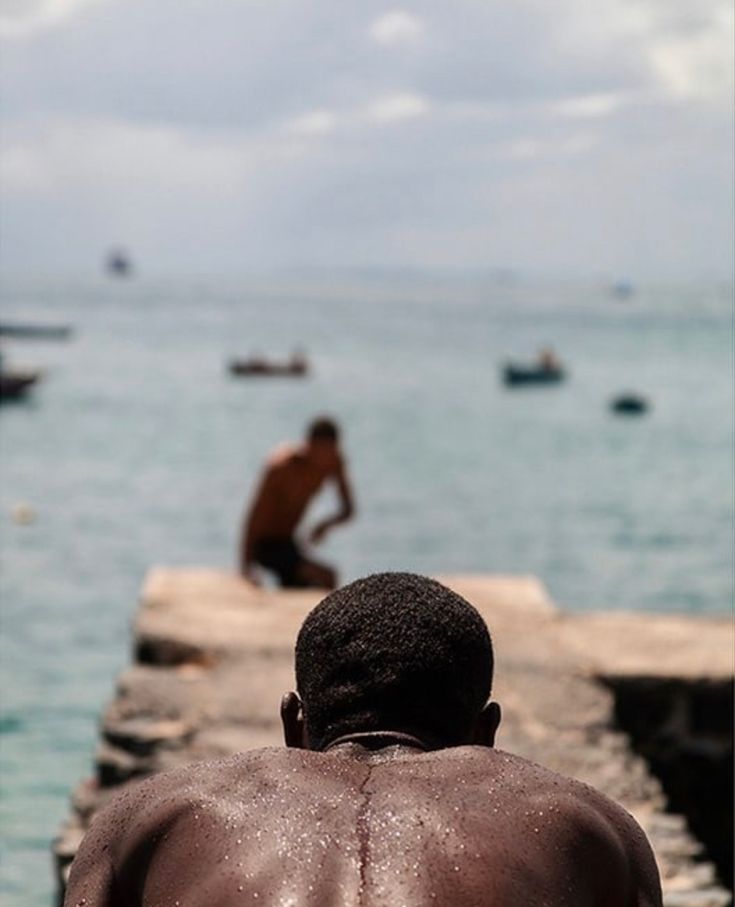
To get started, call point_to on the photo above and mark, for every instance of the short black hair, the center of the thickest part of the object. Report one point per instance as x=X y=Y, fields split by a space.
x=393 y=652
x=323 y=429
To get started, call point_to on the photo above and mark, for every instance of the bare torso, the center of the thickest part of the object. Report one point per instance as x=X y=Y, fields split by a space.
x=293 y=480
x=461 y=826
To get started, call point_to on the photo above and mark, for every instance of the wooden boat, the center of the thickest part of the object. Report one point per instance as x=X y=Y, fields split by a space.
x=15 y=383
x=521 y=375
x=296 y=367
x=31 y=331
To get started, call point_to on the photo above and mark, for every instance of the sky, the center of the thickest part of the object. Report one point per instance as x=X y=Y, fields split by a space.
x=580 y=137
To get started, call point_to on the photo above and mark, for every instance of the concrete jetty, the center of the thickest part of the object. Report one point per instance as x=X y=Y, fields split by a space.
x=212 y=656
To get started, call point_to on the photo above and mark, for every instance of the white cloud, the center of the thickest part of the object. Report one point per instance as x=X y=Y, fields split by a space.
x=23 y=18
x=314 y=122
x=394 y=107
x=396 y=27
x=258 y=112
x=589 y=106
x=527 y=148
x=112 y=155
x=698 y=64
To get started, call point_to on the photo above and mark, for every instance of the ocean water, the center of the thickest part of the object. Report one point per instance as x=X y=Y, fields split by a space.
x=137 y=449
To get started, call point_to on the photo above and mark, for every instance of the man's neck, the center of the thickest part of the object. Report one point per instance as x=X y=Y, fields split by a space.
x=377 y=740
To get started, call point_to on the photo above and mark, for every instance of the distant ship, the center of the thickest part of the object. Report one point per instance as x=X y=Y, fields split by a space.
x=622 y=289
x=29 y=331
x=296 y=367
x=118 y=264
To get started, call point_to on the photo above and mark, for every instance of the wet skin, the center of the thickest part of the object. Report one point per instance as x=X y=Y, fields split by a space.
x=460 y=826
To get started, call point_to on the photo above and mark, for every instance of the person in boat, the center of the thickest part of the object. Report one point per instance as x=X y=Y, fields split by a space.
x=299 y=364
x=389 y=789
x=548 y=360
x=293 y=476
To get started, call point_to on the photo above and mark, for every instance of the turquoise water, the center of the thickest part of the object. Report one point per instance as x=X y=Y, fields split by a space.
x=138 y=449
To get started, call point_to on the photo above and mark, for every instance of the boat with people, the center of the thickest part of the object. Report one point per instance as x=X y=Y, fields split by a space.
x=547 y=369
x=258 y=366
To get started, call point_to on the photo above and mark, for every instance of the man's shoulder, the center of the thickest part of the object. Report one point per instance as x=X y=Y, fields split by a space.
x=239 y=774
x=212 y=776
x=492 y=770
x=162 y=797
x=283 y=456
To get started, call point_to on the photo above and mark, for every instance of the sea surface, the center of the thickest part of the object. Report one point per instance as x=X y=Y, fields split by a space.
x=138 y=449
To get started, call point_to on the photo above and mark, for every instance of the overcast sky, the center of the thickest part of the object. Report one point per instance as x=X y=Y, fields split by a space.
x=574 y=137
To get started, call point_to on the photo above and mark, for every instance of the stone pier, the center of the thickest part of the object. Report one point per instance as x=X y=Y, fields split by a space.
x=213 y=655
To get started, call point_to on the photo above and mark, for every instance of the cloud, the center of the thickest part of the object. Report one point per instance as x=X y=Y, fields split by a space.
x=290 y=132
x=24 y=18
x=314 y=122
x=589 y=106
x=110 y=156
x=559 y=147
x=394 y=107
x=396 y=27
x=698 y=64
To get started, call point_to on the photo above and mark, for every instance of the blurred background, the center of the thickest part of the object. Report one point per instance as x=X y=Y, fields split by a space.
x=414 y=196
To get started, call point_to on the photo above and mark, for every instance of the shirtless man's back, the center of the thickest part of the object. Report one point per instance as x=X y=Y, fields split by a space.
x=396 y=826
x=370 y=816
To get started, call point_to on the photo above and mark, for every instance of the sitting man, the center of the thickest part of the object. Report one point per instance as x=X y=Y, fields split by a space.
x=292 y=477
x=389 y=791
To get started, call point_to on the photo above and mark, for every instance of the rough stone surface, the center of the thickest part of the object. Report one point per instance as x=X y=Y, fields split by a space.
x=214 y=656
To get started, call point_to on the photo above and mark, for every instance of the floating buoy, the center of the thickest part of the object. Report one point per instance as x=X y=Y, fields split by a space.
x=23 y=514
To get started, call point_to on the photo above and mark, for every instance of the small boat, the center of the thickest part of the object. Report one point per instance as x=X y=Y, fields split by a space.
x=255 y=366
x=630 y=405
x=547 y=369
x=15 y=383
x=30 y=331
x=517 y=375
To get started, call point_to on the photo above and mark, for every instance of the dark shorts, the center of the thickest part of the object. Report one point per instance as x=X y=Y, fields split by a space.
x=282 y=557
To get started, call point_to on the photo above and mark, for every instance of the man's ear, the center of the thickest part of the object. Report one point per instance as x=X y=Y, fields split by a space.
x=292 y=718
x=487 y=725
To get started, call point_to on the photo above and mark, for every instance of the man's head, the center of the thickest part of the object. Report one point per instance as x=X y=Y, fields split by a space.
x=393 y=652
x=322 y=439
x=322 y=430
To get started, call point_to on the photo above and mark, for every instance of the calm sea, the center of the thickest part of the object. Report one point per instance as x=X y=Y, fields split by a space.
x=138 y=449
